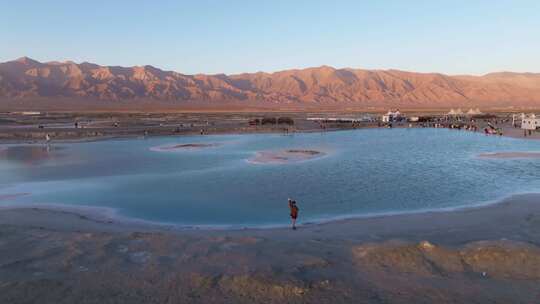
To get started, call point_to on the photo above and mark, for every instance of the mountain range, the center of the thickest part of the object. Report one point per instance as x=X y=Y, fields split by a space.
x=28 y=79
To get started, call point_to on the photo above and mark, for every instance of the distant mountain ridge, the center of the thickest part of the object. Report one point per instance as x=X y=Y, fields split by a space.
x=26 y=78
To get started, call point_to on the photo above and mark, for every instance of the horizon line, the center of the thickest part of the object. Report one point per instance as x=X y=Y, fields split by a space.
x=68 y=61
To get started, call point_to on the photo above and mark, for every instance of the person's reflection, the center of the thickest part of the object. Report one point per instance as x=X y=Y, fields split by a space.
x=29 y=155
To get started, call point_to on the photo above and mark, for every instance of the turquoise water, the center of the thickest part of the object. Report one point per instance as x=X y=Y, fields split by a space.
x=364 y=172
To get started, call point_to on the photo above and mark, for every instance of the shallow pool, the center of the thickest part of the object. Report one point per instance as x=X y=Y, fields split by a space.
x=213 y=181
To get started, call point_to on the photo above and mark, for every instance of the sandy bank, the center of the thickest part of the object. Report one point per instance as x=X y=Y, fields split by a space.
x=481 y=255
x=486 y=254
x=483 y=222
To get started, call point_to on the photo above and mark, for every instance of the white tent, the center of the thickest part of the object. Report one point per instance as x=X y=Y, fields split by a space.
x=455 y=112
x=474 y=112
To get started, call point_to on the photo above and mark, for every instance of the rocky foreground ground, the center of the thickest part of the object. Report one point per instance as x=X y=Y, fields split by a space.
x=485 y=255
x=52 y=267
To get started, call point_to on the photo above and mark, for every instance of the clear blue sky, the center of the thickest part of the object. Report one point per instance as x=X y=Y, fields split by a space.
x=203 y=36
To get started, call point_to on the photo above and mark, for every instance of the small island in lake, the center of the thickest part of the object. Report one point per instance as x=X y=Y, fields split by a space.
x=285 y=156
x=183 y=147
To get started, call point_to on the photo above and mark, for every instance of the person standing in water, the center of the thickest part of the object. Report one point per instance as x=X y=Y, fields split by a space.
x=294 y=212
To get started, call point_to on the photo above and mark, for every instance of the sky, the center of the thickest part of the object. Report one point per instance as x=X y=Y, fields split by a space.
x=233 y=36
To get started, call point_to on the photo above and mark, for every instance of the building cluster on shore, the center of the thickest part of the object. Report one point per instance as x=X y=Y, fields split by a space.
x=472 y=120
x=529 y=122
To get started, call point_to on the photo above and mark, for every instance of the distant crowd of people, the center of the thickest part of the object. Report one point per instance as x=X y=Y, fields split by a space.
x=492 y=127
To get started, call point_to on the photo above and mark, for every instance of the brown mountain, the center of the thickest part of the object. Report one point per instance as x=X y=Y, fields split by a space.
x=27 y=79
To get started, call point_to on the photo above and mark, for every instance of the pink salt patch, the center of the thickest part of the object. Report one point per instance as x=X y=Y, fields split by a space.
x=285 y=156
x=12 y=196
x=510 y=155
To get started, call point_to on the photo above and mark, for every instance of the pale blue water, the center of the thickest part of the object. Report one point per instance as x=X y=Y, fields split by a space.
x=365 y=172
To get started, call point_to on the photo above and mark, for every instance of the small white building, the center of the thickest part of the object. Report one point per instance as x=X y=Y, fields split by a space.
x=29 y=113
x=392 y=116
x=530 y=122
x=517 y=118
